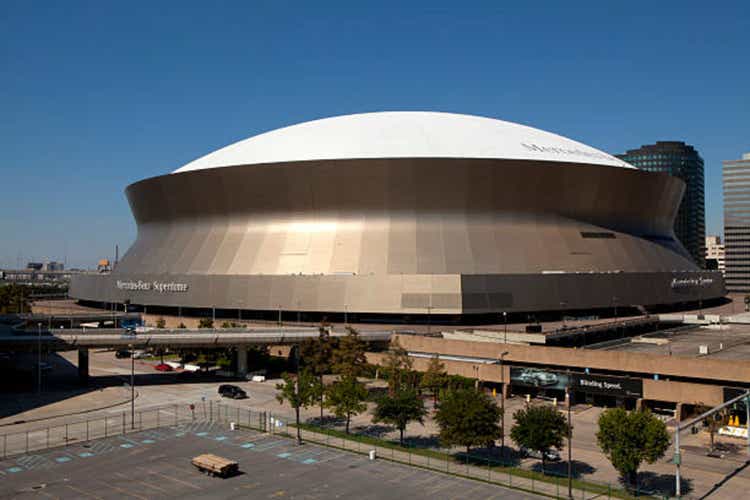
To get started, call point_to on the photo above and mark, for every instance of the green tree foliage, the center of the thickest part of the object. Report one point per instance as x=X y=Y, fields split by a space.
x=397 y=366
x=161 y=323
x=349 y=355
x=299 y=392
x=14 y=298
x=434 y=377
x=206 y=323
x=539 y=428
x=399 y=409
x=468 y=418
x=316 y=355
x=630 y=438
x=181 y=325
x=346 y=397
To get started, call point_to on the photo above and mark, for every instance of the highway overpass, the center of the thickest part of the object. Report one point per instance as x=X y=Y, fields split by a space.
x=238 y=338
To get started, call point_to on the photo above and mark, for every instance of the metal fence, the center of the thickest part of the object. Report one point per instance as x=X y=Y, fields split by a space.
x=472 y=466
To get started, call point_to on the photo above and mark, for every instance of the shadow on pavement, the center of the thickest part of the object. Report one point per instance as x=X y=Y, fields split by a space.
x=561 y=468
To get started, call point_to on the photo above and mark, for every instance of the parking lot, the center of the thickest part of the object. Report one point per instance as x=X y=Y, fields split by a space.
x=157 y=463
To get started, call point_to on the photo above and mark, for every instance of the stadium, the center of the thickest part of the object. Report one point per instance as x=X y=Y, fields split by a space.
x=400 y=215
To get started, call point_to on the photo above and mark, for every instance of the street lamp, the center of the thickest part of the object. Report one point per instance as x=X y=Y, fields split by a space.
x=568 y=396
x=429 y=319
x=346 y=315
x=505 y=327
x=39 y=359
x=502 y=402
x=132 y=386
x=562 y=307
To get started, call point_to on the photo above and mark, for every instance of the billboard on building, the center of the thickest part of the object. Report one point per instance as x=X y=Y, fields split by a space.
x=580 y=382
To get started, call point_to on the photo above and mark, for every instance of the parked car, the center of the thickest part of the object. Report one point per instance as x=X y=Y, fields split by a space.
x=122 y=353
x=231 y=391
x=551 y=455
x=163 y=367
x=45 y=367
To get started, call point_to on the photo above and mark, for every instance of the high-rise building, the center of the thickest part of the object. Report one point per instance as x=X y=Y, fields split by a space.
x=736 y=175
x=715 y=255
x=679 y=160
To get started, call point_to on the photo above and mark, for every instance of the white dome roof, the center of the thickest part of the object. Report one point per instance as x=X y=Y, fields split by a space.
x=403 y=134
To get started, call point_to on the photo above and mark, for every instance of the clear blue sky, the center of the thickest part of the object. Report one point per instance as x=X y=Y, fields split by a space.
x=96 y=95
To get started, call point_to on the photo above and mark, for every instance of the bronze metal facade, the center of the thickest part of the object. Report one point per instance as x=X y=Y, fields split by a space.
x=405 y=236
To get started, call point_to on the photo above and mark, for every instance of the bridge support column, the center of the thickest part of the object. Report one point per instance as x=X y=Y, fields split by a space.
x=83 y=366
x=241 y=354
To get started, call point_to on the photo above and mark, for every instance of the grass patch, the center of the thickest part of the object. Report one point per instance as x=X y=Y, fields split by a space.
x=462 y=459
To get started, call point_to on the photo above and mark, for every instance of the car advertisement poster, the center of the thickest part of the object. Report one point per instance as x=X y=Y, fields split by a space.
x=534 y=377
x=579 y=382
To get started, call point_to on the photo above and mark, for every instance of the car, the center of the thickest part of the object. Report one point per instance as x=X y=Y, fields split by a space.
x=231 y=391
x=551 y=455
x=163 y=367
x=45 y=367
x=122 y=353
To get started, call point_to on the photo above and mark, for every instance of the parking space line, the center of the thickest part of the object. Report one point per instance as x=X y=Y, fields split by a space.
x=81 y=492
x=142 y=482
x=179 y=470
x=120 y=490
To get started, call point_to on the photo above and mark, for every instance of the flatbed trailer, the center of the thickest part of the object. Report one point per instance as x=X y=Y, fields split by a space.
x=214 y=465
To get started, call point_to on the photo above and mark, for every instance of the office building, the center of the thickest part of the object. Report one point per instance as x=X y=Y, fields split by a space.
x=715 y=255
x=682 y=161
x=736 y=174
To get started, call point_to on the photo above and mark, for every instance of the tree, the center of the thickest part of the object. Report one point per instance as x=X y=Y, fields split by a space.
x=434 y=378
x=317 y=356
x=630 y=438
x=398 y=368
x=299 y=391
x=206 y=323
x=714 y=423
x=181 y=325
x=349 y=356
x=346 y=398
x=539 y=428
x=468 y=418
x=161 y=323
x=399 y=409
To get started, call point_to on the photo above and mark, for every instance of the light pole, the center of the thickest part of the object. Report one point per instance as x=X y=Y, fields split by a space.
x=562 y=311
x=505 y=327
x=213 y=317
x=346 y=315
x=570 y=440
x=429 y=319
x=132 y=387
x=279 y=314
x=502 y=403
x=39 y=359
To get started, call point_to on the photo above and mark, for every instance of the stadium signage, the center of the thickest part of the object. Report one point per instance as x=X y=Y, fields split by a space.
x=691 y=282
x=565 y=151
x=147 y=286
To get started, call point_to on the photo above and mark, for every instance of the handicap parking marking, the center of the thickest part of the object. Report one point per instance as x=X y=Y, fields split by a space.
x=284 y=455
x=309 y=461
x=247 y=445
x=62 y=460
x=14 y=469
x=86 y=454
x=127 y=445
x=201 y=434
x=220 y=438
x=148 y=441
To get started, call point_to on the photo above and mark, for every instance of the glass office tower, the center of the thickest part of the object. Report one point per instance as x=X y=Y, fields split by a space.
x=683 y=161
x=736 y=175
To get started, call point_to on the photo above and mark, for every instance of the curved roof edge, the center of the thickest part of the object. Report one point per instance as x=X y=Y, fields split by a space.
x=403 y=134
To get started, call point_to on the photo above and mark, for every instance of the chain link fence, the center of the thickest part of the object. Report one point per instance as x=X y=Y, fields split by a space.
x=467 y=465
